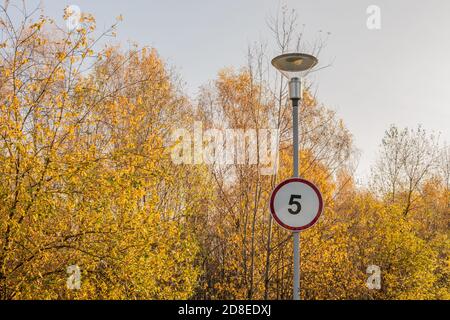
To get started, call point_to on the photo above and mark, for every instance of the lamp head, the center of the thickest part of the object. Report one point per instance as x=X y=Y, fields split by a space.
x=293 y=65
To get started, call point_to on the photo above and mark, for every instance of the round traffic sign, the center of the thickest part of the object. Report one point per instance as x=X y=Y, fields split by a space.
x=296 y=204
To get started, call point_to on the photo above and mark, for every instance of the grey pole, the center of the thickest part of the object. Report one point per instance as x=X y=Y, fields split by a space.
x=295 y=92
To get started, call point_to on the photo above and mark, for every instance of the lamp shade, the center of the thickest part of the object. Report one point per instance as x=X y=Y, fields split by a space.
x=294 y=64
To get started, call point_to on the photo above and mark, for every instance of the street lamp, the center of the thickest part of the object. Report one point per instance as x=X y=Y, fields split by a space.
x=294 y=66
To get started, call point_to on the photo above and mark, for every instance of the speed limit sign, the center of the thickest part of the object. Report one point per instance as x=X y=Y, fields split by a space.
x=296 y=204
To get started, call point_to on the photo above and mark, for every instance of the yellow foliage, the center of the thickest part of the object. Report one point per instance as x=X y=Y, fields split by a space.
x=87 y=182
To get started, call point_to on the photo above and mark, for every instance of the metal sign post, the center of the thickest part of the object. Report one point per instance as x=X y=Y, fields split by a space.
x=295 y=92
x=296 y=204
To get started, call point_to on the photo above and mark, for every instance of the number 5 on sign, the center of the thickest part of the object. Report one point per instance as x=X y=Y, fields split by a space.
x=296 y=204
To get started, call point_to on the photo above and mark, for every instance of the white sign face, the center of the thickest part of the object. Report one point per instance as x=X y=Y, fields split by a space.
x=296 y=204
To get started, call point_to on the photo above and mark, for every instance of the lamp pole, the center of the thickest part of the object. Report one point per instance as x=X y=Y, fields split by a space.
x=295 y=93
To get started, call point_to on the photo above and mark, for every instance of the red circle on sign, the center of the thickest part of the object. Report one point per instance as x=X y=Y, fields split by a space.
x=281 y=185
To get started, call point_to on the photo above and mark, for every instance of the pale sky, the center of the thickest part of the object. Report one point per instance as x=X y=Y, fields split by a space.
x=399 y=74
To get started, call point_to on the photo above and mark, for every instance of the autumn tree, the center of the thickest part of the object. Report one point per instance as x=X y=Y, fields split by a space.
x=411 y=177
x=250 y=258
x=84 y=166
x=91 y=179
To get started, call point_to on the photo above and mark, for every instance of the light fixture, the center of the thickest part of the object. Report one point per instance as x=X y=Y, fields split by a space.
x=294 y=66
